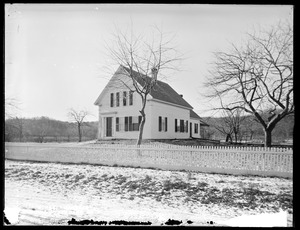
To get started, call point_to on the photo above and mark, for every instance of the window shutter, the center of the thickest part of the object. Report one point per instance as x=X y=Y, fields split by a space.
x=175 y=125
x=130 y=124
x=166 y=124
x=186 y=126
x=111 y=100
x=117 y=124
x=126 y=123
x=124 y=98
x=159 y=123
x=118 y=99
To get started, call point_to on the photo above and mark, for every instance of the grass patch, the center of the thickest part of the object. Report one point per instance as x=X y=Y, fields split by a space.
x=120 y=179
x=169 y=185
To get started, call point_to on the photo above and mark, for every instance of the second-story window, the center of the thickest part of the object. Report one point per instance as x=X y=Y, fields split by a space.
x=117 y=99
x=130 y=97
x=111 y=100
x=124 y=98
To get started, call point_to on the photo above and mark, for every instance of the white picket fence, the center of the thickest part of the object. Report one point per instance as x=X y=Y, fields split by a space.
x=212 y=159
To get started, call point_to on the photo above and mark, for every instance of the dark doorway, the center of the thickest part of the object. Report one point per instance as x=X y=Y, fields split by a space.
x=109 y=126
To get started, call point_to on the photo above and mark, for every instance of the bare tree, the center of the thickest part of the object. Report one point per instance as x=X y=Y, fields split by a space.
x=248 y=128
x=12 y=112
x=230 y=124
x=78 y=117
x=19 y=125
x=257 y=77
x=147 y=58
x=235 y=120
x=12 y=107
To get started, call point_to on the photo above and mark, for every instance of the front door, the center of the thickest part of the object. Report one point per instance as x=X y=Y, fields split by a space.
x=109 y=126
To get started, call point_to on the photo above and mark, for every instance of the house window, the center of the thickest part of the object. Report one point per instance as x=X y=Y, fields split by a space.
x=166 y=124
x=159 y=124
x=195 y=128
x=117 y=124
x=130 y=97
x=136 y=123
x=111 y=100
x=132 y=123
x=124 y=98
x=182 y=126
x=118 y=99
x=162 y=124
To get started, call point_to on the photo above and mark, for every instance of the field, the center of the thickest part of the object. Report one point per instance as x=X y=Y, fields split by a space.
x=53 y=194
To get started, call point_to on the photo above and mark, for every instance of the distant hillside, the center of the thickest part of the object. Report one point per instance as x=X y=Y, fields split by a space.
x=44 y=129
x=251 y=129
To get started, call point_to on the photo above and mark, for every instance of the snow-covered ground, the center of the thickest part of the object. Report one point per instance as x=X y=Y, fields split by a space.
x=53 y=194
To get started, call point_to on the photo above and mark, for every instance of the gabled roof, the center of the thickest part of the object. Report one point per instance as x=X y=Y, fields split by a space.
x=161 y=91
x=196 y=116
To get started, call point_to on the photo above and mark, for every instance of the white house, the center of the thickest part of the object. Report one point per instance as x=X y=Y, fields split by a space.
x=168 y=115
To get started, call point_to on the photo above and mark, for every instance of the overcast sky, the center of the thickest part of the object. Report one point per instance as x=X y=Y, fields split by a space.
x=54 y=53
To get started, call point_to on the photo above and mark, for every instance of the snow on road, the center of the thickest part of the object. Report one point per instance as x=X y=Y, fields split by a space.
x=53 y=194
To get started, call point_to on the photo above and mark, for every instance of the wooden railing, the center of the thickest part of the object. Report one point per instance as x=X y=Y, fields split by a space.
x=211 y=159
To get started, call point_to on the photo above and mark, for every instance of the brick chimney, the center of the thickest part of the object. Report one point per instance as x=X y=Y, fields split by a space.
x=154 y=73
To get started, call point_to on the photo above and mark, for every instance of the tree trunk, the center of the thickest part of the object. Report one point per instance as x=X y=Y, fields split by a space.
x=235 y=138
x=268 y=137
x=79 y=133
x=141 y=128
x=20 y=136
x=229 y=138
x=251 y=135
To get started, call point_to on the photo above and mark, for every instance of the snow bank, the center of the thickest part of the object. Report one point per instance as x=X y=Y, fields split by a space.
x=261 y=220
x=51 y=193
